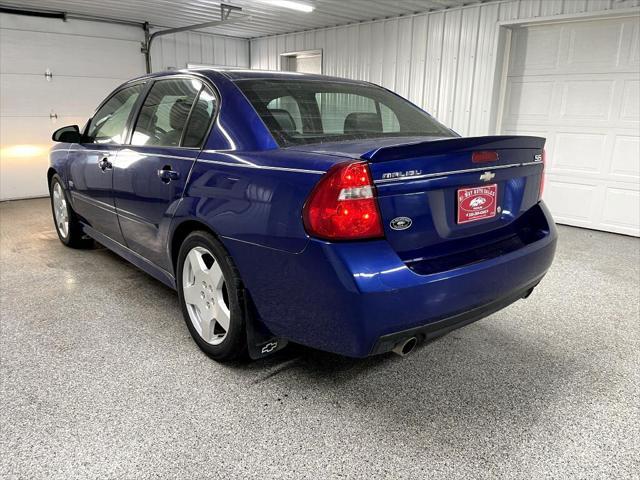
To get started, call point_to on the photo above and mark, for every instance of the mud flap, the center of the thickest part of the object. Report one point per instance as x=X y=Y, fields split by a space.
x=260 y=341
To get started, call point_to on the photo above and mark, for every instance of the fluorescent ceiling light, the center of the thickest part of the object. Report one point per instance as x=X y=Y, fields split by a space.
x=301 y=7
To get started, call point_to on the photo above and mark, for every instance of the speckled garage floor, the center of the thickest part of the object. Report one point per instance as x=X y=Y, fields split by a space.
x=100 y=379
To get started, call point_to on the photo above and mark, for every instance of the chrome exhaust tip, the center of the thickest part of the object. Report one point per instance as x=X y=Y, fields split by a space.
x=405 y=347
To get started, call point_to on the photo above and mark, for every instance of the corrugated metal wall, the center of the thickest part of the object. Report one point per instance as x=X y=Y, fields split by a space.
x=176 y=51
x=443 y=61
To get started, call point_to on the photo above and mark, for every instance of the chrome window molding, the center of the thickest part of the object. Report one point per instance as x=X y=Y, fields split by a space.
x=262 y=167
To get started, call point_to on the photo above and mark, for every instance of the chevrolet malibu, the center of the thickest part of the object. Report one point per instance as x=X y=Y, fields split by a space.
x=289 y=207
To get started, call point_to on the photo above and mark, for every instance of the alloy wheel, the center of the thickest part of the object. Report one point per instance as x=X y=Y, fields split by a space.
x=60 y=210
x=205 y=295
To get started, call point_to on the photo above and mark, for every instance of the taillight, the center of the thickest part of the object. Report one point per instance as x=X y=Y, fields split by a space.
x=342 y=206
x=544 y=167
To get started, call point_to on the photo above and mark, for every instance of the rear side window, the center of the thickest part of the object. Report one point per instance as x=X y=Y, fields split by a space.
x=200 y=119
x=165 y=112
x=109 y=122
x=312 y=111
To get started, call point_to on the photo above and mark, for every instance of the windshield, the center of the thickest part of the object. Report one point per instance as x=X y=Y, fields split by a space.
x=311 y=111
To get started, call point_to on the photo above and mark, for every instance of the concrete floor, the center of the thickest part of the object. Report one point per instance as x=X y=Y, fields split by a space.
x=100 y=379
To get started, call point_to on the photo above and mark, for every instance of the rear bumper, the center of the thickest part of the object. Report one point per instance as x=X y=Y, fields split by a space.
x=439 y=327
x=358 y=299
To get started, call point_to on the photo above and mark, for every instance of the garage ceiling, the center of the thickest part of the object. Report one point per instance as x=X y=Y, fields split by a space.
x=266 y=19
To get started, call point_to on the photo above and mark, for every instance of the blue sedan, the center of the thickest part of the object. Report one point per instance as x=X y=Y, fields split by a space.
x=290 y=207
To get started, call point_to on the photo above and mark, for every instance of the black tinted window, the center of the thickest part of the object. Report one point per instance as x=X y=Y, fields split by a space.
x=305 y=111
x=109 y=122
x=165 y=112
x=200 y=119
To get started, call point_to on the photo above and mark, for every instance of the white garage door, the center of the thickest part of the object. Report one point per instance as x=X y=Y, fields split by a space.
x=86 y=60
x=578 y=85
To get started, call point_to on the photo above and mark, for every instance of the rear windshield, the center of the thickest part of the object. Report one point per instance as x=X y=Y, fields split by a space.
x=310 y=111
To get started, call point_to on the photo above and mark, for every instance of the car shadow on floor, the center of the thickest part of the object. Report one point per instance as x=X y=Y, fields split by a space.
x=485 y=367
x=484 y=375
x=483 y=381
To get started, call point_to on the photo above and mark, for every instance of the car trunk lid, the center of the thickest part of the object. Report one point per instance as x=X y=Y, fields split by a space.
x=443 y=196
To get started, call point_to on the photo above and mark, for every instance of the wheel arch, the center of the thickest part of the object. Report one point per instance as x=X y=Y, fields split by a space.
x=258 y=334
x=50 y=173
x=180 y=232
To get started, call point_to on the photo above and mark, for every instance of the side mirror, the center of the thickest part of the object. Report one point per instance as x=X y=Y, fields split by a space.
x=69 y=134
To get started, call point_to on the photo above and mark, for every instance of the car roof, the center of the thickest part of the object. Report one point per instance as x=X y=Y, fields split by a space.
x=235 y=74
x=232 y=75
x=242 y=74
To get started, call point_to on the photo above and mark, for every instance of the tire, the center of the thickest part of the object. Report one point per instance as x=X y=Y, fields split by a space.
x=210 y=292
x=68 y=226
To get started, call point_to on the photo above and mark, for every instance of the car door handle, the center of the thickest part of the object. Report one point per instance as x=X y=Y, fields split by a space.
x=166 y=174
x=104 y=163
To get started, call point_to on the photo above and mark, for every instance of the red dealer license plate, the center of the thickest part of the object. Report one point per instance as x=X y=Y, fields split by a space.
x=477 y=203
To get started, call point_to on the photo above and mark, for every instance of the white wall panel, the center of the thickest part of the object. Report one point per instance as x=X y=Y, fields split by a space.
x=418 y=59
x=435 y=39
x=443 y=61
x=364 y=51
x=403 y=60
x=390 y=53
x=450 y=63
x=484 y=75
x=180 y=49
x=466 y=69
x=377 y=57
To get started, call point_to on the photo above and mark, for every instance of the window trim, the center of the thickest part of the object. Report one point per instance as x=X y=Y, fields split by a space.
x=205 y=84
x=188 y=119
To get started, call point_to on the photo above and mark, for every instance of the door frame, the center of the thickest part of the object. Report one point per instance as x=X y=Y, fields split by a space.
x=286 y=56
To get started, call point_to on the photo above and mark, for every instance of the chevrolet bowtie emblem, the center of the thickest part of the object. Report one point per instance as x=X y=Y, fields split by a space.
x=486 y=176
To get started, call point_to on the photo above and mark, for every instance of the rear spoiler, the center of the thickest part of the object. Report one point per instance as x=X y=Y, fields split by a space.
x=455 y=144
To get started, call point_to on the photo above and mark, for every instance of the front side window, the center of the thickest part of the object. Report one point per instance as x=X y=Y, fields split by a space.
x=109 y=122
x=310 y=111
x=165 y=112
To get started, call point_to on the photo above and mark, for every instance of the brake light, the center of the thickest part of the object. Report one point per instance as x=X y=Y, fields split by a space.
x=544 y=167
x=485 y=156
x=342 y=206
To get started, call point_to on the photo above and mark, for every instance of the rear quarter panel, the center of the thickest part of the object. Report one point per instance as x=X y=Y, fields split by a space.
x=242 y=185
x=252 y=197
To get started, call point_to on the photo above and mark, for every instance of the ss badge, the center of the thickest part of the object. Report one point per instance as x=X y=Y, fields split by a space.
x=400 y=223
